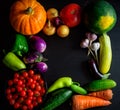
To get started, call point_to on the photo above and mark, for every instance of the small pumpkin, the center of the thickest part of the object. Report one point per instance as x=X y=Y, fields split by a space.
x=27 y=17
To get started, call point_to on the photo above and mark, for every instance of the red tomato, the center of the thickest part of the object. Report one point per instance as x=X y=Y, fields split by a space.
x=71 y=14
x=25 y=90
x=22 y=93
x=16 y=105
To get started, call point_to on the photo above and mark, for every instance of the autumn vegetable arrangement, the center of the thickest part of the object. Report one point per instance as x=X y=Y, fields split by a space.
x=61 y=22
x=26 y=59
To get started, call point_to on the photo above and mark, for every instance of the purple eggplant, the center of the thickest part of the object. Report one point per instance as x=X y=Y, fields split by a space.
x=41 y=67
x=33 y=57
x=94 y=70
x=38 y=44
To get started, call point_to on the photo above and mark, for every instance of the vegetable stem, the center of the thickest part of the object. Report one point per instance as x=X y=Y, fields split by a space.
x=96 y=55
x=90 y=51
x=29 y=10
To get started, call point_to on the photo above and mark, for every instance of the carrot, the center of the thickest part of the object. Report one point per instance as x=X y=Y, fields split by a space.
x=104 y=94
x=82 y=102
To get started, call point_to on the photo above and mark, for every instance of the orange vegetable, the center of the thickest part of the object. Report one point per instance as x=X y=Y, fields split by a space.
x=27 y=16
x=82 y=102
x=104 y=94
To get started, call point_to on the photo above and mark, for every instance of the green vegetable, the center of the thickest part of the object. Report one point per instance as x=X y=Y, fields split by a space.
x=57 y=99
x=78 y=89
x=100 y=16
x=60 y=83
x=20 y=46
x=100 y=84
x=13 y=62
x=105 y=55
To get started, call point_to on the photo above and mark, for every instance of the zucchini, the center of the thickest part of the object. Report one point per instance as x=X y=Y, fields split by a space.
x=100 y=84
x=59 y=97
x=105 y=55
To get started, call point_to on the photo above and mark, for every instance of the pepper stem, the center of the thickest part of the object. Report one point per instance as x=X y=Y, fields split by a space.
x=76 y=83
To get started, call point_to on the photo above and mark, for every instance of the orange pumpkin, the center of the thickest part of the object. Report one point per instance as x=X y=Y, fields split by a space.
x=27 y=16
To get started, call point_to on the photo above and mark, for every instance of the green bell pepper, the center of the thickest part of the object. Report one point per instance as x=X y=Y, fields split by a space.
x=20 y=46
x=13 y=62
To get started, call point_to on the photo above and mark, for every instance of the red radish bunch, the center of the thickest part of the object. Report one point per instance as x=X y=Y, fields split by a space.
x=26 y=90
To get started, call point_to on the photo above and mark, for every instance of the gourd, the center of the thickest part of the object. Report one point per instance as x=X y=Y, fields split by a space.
x=27 y=17
x=105 y=54
x=100 y=16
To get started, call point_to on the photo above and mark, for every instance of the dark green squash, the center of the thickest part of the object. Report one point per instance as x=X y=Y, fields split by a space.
x=100 y=16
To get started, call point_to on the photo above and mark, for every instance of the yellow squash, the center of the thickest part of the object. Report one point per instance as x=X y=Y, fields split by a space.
x=105 y=55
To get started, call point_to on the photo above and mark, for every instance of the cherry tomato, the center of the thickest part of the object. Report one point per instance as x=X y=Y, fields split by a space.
x=16 y=75
x=21 y=99
x=36 y=93
x=21 y=77
x=38 y=87
x=30 y=93
x=24 y=107
x=15 y=96
x=8 y=91
x=10 y=82
x=16 y=105
x=25 y=90
x=13 y=89
x=35 y=77
x=28 y=101
x=43 y=91
x=15 y=80
x=30 y=106
x=12 y=101
x=39 y=99
x=31 y=72
x=30 y=97
x=34 y=98
x=22 y=93
x=34 y=81
x=19 y=88
x=32 y=86
x=25 y=74
x=20 y=82
x=38 y=77
x=9 y=96
x=41 y=82
x=35 y=103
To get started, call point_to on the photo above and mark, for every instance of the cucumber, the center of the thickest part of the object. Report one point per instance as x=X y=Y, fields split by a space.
x=100 y=84
x=57 y=99
x=105 y=55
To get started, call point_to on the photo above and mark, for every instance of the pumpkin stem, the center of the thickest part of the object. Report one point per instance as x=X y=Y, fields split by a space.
x=29 y=10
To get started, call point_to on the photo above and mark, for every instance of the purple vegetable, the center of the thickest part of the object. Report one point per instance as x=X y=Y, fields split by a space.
x=57 y=21
x=94 y=70
x=41 y=66
x=37 y=43
x=33 y=57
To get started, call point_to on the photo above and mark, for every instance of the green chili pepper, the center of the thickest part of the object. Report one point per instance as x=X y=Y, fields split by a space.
x=78 y=89
x=60 y=83
x=13 y=62
x=20 y=46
